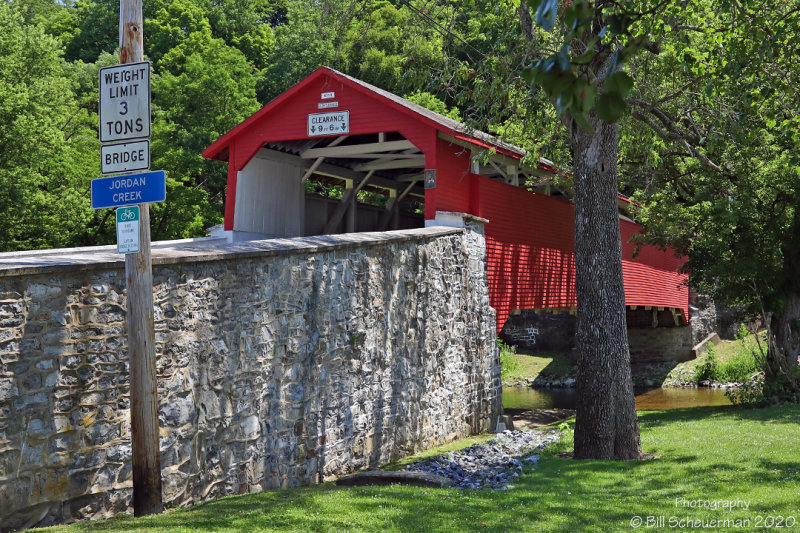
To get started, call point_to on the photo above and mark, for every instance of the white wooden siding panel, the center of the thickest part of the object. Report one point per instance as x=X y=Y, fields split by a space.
x=270 y=199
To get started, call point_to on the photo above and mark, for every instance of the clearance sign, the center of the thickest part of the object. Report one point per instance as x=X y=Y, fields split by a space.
x=336 y=123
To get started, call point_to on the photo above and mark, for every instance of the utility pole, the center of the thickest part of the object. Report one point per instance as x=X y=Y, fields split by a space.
x=141 y=338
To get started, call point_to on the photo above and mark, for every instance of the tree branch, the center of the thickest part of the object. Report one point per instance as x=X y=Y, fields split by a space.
x=675 y=135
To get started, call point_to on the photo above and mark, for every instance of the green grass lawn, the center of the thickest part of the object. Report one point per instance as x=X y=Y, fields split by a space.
x=704 y=454
x=519 y=366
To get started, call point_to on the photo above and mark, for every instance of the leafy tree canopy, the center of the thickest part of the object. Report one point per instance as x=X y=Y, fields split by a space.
x=45 y=137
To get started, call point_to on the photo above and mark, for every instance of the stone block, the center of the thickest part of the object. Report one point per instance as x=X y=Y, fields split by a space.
x=177 y=412
x=8 y=388
x=32 y=382
x=78 y=482
x=61 y=443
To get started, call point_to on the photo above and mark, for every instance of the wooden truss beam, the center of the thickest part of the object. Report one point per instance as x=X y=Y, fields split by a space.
x=364 y=150
x=406 y=162
x=344 y=203
x=335 y=171
x=392 y=207
x=319 y=160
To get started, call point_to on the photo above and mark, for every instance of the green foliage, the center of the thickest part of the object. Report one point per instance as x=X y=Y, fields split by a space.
x=594 y=44
x=204 y=89
x=750 y=393
x=387 y=47
x=430 y=101
x=738 y=368
x=783 y=388
x=508 y=361
x=742 y=332
x=709 y=369
x=47 y=143
x=302 y=44
x=248 y=26
x=97 y=30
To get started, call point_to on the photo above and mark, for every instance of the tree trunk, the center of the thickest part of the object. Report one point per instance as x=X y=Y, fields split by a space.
x=781 y=376
x=606 y=426
x=787 y=333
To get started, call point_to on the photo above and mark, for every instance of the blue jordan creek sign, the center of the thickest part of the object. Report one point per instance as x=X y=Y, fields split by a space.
x=116 y=191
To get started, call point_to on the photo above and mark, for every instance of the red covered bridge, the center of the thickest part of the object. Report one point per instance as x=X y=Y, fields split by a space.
x=339 y=131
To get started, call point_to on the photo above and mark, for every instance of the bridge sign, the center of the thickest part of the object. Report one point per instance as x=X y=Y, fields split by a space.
x=124 y=157
x=116 y=191
x=128 y=241
x=125 y=102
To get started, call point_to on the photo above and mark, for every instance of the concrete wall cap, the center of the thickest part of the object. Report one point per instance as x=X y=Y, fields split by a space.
x=200 y=250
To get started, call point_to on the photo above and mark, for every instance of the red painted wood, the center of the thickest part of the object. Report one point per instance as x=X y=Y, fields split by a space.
x=230 y=194
x=530 y=238
x=285 y=118
x=452 y=177
x=530 y=246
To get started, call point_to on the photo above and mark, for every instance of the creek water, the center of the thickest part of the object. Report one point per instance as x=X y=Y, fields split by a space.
x=657 y=398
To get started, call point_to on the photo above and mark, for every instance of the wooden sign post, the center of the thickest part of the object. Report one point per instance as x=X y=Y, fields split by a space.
x=141 y=338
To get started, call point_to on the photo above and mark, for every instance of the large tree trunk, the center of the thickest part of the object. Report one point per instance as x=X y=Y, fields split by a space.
x=781 y=377
x=606 y=426
x=786 y=330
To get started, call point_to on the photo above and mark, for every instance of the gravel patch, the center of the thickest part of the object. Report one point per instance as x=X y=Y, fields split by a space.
x=493 y=464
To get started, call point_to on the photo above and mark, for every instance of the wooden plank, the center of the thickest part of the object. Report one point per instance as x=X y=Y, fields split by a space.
x=392 y=207
x=498 y=169
x=146 y=458
x=311 y=169
x=356 y=149
x=342 y=206
x=320 y=159
x=334 y=171
x=417 y=161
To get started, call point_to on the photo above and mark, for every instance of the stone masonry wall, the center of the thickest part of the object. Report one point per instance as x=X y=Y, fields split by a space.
x=556 y=332
x=653 y=345
x=280 y=363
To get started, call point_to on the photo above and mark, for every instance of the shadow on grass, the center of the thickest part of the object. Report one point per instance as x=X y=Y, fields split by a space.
x=784 y=414
x=560 y=495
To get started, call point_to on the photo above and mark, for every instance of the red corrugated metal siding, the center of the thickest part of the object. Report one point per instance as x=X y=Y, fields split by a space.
x=530 y=247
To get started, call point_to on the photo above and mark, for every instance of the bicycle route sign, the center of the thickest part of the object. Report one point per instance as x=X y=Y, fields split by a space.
x=128 y=241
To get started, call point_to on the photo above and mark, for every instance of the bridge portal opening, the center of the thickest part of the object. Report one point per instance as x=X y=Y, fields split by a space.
x=342 y=184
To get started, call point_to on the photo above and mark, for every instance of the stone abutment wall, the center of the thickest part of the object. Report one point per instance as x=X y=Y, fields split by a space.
x=280 y=363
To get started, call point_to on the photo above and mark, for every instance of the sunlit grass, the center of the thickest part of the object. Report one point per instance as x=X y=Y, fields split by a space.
x=704 y=454
x=523 y=365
